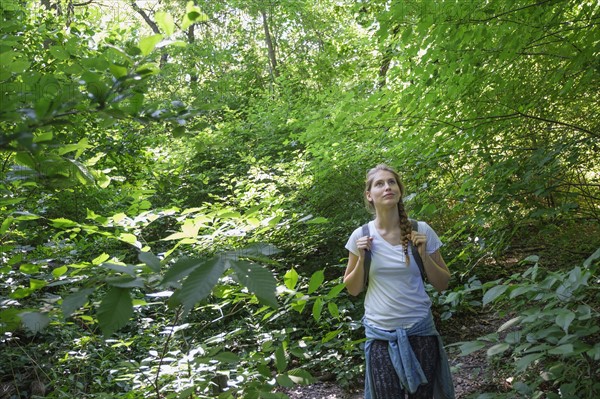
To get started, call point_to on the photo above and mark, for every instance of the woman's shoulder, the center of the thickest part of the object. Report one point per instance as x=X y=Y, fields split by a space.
x=423 y=225
x=358 y=231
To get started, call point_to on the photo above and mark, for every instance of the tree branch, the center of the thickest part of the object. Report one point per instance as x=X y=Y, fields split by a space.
x=145 y=16
x=511 y=11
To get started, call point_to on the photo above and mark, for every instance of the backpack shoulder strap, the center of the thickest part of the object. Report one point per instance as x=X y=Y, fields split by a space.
x=415 y=252
x=367 y=262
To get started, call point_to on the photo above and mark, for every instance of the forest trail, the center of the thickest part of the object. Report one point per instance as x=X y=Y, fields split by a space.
x=470 y=373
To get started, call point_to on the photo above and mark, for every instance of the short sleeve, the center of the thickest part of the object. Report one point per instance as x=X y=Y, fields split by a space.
x=351 y=243
x=433 y=241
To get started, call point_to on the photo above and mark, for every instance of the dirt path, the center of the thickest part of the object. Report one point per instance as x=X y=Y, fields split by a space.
x=470 y=373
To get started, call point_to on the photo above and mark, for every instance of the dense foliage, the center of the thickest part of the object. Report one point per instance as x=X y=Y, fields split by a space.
x=178 y=181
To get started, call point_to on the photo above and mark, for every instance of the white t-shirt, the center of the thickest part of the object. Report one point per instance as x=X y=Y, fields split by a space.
x=396 y=296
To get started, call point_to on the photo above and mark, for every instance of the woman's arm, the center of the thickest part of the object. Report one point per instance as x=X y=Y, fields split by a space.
x=354 y=277
x=437 y=272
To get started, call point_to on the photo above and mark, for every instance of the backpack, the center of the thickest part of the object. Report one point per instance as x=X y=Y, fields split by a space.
x=414 y=251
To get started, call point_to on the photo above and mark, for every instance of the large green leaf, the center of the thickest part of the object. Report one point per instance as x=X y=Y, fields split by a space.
x=199 y=283
x=469 y=347
x=150 y=260
x=316 y=280
x=34 y=321
x=493 y=293
x=165 y=22
x=257 y=279
x=290 y=279
x=180 y=269
x=115 y=310
x=526 y=360
x=564 y=318
x=317 y=309
x=147 y=44
x=498 y=348
x=280 y=359
x=74 y=301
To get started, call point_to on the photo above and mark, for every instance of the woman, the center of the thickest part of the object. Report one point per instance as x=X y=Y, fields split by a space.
x=404 y=353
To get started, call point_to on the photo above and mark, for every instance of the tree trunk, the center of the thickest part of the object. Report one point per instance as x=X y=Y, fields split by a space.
x=270 y=46
x=153 y=26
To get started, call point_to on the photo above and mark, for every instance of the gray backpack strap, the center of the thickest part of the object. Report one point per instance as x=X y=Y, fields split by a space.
x=367 y=262
x=415 y=251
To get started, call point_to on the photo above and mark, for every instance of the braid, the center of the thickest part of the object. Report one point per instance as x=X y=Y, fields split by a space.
x=405 y=226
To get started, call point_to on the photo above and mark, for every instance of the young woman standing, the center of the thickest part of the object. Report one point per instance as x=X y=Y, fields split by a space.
x=404 y=352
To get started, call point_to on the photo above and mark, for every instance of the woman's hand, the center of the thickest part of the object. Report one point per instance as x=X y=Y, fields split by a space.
x=419 y=240
x=364 y=244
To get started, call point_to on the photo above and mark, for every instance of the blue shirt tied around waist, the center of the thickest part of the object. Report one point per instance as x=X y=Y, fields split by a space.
x=404 y=360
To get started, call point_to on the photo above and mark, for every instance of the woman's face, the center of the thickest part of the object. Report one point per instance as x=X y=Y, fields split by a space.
x=384 y=189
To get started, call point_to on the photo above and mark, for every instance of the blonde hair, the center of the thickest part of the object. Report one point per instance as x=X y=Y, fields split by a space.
x=405 y=226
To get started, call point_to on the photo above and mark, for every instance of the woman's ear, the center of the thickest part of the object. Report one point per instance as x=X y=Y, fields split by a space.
x=368 y=196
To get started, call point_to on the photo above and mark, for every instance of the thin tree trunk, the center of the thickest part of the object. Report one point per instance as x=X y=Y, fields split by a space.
x=270 y=46
x=152 y=25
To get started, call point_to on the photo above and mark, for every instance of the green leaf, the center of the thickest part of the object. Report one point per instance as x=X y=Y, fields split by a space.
x=594 y=353
x=120 y=268
x=290 y=279
x=83 y=175
x=497 y=349
x=34 y=321
x=36 y=284
x=62 y=223
x=283 y=380
x=525 y=361
x=334 y=292
x=331 y=335
x=588 y=262
x=258 y=280
x=316 y=280
x=75 y=301
x=165 y=22
x=317 y=309
x=6 y=224
x=29 y=268
x=129 y=239
x=125 y=282
x=147 y=44
x=280 y=359
x=227 y=357
x=333 y=309
x=103 y=257
x=300 y=376
x=192 y=15
x=510 y=323
x=150 y=260
x=470 y=347
x=59 y=271
x=198 y=284
x=317 y=220
x=149 y=68
x=180 y=269
x=24 y=216
x=564 y=319
x=118 y=71
x=493 y=293
x=566 y=349
x=115 y=310
x=78 y=147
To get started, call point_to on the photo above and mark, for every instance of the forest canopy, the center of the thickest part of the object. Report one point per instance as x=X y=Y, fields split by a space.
x=179 y=178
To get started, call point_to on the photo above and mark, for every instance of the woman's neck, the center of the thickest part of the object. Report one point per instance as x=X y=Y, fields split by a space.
x=387 y=219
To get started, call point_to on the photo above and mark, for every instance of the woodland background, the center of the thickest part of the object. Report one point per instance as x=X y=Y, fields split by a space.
x=179 y=179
